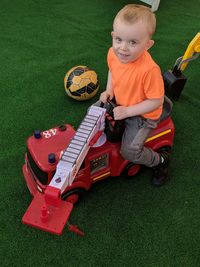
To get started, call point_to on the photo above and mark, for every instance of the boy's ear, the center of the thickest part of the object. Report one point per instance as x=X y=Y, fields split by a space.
x=150 y=43
x=112 y=33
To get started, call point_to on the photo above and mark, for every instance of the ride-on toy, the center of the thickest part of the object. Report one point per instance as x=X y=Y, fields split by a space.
x=61 y=163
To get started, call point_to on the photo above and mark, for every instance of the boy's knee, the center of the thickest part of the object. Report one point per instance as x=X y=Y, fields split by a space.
x=132 y=153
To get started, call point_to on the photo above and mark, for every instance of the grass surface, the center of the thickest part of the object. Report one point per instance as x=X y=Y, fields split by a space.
x=127 y=223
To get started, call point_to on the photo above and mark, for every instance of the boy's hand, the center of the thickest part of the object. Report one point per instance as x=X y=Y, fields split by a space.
x=105 y=95
x=120 y=112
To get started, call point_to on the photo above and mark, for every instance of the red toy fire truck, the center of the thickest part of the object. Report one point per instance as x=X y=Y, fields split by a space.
x=61 y=163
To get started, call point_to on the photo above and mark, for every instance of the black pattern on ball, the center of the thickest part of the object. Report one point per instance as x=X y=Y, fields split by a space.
x=81 y=83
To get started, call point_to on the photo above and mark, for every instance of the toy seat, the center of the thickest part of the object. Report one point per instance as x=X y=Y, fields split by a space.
x=167 y=108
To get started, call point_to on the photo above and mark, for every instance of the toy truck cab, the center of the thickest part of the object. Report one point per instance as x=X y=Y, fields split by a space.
x=44 y=150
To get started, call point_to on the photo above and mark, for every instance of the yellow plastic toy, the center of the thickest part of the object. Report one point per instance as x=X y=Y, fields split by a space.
x=191 y=53
x=174 y=79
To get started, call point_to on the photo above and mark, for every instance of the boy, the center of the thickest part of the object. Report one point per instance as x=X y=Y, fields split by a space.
x=135 y=81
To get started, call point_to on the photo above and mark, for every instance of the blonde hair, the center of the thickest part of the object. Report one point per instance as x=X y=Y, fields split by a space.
x=133 y=13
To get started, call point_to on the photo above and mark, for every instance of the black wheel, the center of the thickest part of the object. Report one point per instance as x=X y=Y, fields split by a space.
x=165 y=148
x=130 y=170
x=73 y=195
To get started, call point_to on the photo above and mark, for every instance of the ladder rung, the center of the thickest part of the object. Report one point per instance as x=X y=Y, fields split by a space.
x=75 y=146
x=76 y=137
x=67 y=159
x=88 y=124
x=77 y=142
x=73 y=150
x=70 y=155
x=78 y=133
x=86 y=128
x=90 y=117
x=84 y=131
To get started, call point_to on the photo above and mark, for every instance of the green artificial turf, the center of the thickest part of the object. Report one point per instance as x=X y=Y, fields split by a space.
x=126 y=222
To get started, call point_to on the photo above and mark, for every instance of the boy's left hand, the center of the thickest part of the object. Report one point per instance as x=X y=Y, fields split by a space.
x=120 y=113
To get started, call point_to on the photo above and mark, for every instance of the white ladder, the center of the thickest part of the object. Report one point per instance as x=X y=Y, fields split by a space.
x=75 y=152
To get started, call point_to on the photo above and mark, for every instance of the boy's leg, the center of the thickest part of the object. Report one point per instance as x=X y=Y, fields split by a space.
x=160 y=172
x=136 y=132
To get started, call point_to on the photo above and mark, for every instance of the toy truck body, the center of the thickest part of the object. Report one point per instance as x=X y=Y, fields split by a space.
x=98 y=163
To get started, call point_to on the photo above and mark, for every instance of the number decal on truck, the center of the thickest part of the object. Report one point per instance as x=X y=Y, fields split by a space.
x=50 y=133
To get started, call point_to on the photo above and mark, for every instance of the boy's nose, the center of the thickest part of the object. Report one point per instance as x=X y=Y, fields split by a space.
x=123 y=46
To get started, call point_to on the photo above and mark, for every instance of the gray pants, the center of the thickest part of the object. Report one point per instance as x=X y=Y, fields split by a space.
x=136 y=132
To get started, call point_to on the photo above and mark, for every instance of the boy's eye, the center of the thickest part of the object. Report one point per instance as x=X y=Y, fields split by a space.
x=118 y=39
x=132 y=42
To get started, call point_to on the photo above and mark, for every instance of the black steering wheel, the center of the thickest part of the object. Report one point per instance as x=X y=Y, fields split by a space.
x=109 y=106
x=113 y=128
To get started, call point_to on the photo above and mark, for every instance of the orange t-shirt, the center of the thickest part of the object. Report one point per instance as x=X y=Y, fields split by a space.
x=136 y=81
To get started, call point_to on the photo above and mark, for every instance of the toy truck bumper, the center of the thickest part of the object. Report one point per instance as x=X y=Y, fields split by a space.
x=48 y=212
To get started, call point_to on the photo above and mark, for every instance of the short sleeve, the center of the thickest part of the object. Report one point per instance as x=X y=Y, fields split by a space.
x=153 y=84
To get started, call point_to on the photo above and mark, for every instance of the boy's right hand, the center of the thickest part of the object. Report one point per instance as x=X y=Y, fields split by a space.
x=106 y=95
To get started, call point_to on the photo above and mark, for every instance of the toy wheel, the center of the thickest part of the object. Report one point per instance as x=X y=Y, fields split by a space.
x=73 y=195
x=130 y=170
x=165 y=148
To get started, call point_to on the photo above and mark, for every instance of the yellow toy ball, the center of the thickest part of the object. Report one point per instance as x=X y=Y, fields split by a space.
x=81 y=83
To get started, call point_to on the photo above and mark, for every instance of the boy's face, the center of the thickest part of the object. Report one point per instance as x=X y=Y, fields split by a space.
x=130 y=40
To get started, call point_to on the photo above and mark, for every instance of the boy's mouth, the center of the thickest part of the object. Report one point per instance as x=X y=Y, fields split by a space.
x=123 y=55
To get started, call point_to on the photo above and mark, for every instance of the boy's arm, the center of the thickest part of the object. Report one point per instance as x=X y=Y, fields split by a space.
x=154 y=92
x=108 y=93
x=146 y=106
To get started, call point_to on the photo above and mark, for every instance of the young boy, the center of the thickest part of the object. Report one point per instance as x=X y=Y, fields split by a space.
x=135 y=81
